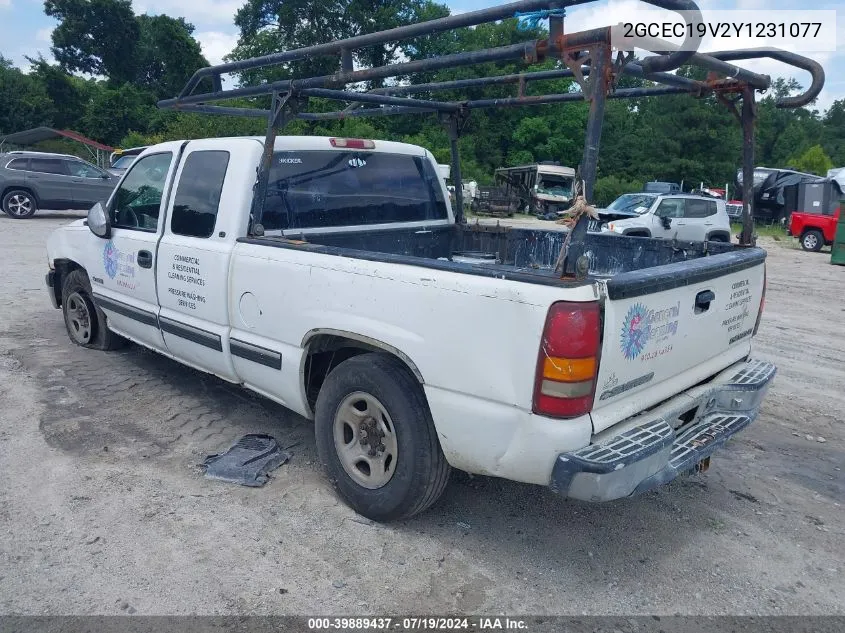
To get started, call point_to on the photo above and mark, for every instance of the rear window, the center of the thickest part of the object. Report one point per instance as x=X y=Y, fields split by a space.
x=320 y=189
x=18 y=163
x=123 y=162
x=700 y=208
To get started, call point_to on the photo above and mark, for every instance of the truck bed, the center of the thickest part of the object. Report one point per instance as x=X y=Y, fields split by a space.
x=529 y=255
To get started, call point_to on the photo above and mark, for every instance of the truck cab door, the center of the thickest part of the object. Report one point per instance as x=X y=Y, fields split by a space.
x=193 y=261
x=90 y=184
x=124 y=281
x=665 y=218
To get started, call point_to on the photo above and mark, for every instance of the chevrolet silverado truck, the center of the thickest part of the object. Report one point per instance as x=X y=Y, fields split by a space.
x=415 y=343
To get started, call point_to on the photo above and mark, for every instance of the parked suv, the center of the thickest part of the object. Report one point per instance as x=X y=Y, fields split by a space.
x=670 y=216
x=121 y=159
x=35 y=180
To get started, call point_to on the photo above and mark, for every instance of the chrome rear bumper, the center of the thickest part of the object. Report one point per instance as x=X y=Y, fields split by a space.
x=651 y=452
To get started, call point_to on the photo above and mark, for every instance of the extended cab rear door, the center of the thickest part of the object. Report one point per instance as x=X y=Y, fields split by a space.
x=123 y=276
x=208 y=210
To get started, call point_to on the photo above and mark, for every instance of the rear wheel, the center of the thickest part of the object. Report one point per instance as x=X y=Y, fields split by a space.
x=85 y=322
x=376 y=439
x=19 y=204
x=812 y=240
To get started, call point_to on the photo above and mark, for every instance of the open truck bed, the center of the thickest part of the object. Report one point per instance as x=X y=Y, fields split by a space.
x=529 y=255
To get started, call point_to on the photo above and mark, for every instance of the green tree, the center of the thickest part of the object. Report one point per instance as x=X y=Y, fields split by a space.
x=112 y=112
x=24 y=102
x=608 y=188
x=834 y=132
x=73 y=93
x=105 y=38
x=269 y=26
x=813 y=161
x=97 y=37
x=166 y=54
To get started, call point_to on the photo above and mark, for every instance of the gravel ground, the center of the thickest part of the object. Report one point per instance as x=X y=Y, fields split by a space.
x=104 y=510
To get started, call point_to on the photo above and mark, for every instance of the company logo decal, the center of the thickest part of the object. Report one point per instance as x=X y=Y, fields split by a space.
x=636 y=331
x=357 y=162
x=111 y=259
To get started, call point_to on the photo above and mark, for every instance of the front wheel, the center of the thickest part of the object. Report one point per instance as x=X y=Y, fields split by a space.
x=812 y=240
x=19 y=204
x=376 y=439
x=85 y=322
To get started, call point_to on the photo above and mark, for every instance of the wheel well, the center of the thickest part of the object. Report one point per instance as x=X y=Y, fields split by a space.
x=29 y=190
x=326 y=351
x=63 y=268
x=719 y=236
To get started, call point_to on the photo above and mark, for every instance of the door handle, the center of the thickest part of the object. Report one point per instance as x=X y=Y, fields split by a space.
x=703 y=300
x=145 y=259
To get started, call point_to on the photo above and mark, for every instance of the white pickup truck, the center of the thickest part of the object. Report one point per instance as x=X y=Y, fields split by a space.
x=416 y=343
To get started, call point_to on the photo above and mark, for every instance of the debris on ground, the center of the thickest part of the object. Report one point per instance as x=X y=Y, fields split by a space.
x=248 y=462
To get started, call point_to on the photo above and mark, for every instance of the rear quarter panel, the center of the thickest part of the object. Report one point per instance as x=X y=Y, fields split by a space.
x=467 y=334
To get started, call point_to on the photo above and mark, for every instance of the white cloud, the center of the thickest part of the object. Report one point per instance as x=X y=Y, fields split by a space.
x=216 y=44
x=5 y=4
x=43 y=35
x=197 y=12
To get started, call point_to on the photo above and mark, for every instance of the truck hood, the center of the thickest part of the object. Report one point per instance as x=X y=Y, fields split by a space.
x=609 y=215
x=548 y=198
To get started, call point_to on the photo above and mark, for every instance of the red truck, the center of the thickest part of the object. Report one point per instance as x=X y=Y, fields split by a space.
x=814 y=230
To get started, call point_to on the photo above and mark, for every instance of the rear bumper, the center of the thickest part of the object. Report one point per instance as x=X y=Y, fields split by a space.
x=650 y=451
x=50 y=280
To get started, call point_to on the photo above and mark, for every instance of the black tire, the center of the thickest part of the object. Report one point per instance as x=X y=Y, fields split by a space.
x=19 y=204
x=719 y=238
x=85 y=322
x=812 y=240
x=420 y=472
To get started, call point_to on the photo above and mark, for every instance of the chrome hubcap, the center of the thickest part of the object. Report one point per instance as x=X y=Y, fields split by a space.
x=810 y=240
x=365 y=440
x=79 y=318
x=19 y=204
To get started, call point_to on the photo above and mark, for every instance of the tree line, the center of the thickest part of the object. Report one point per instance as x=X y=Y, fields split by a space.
x=112 y=65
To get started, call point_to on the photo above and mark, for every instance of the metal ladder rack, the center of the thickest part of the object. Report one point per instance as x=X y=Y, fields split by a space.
x=587 y=55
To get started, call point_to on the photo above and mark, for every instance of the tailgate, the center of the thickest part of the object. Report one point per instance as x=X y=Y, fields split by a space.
x=661 y=336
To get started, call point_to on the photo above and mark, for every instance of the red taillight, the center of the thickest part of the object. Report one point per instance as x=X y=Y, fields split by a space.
x=762 y=304
x=567 y=364
x=352 y=143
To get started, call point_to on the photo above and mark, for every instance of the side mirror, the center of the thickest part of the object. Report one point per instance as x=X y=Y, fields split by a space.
x=105 y=176
x=666 y=222
x=98 y=221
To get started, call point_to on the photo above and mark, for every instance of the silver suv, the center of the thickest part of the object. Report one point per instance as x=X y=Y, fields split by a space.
x=35 y=180
x=679 y=216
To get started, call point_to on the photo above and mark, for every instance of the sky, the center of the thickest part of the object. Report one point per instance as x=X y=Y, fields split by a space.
x=25 y=29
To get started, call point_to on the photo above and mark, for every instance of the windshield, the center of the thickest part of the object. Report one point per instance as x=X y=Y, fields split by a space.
x=123 y=162
x=632 y=203
x=554 y=185
x=318 y=189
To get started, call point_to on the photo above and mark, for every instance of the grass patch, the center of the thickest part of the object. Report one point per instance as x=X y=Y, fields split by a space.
x=775 y=231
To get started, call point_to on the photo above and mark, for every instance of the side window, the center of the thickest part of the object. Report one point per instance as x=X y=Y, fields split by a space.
x=670 y=208
x=697 y=209
x=136 y=203
x=48 y=166
x=19 y=164
x=198 y=193
x=81 y=169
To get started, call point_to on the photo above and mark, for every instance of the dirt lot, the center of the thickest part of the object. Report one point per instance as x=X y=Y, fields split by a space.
x=104 y=511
